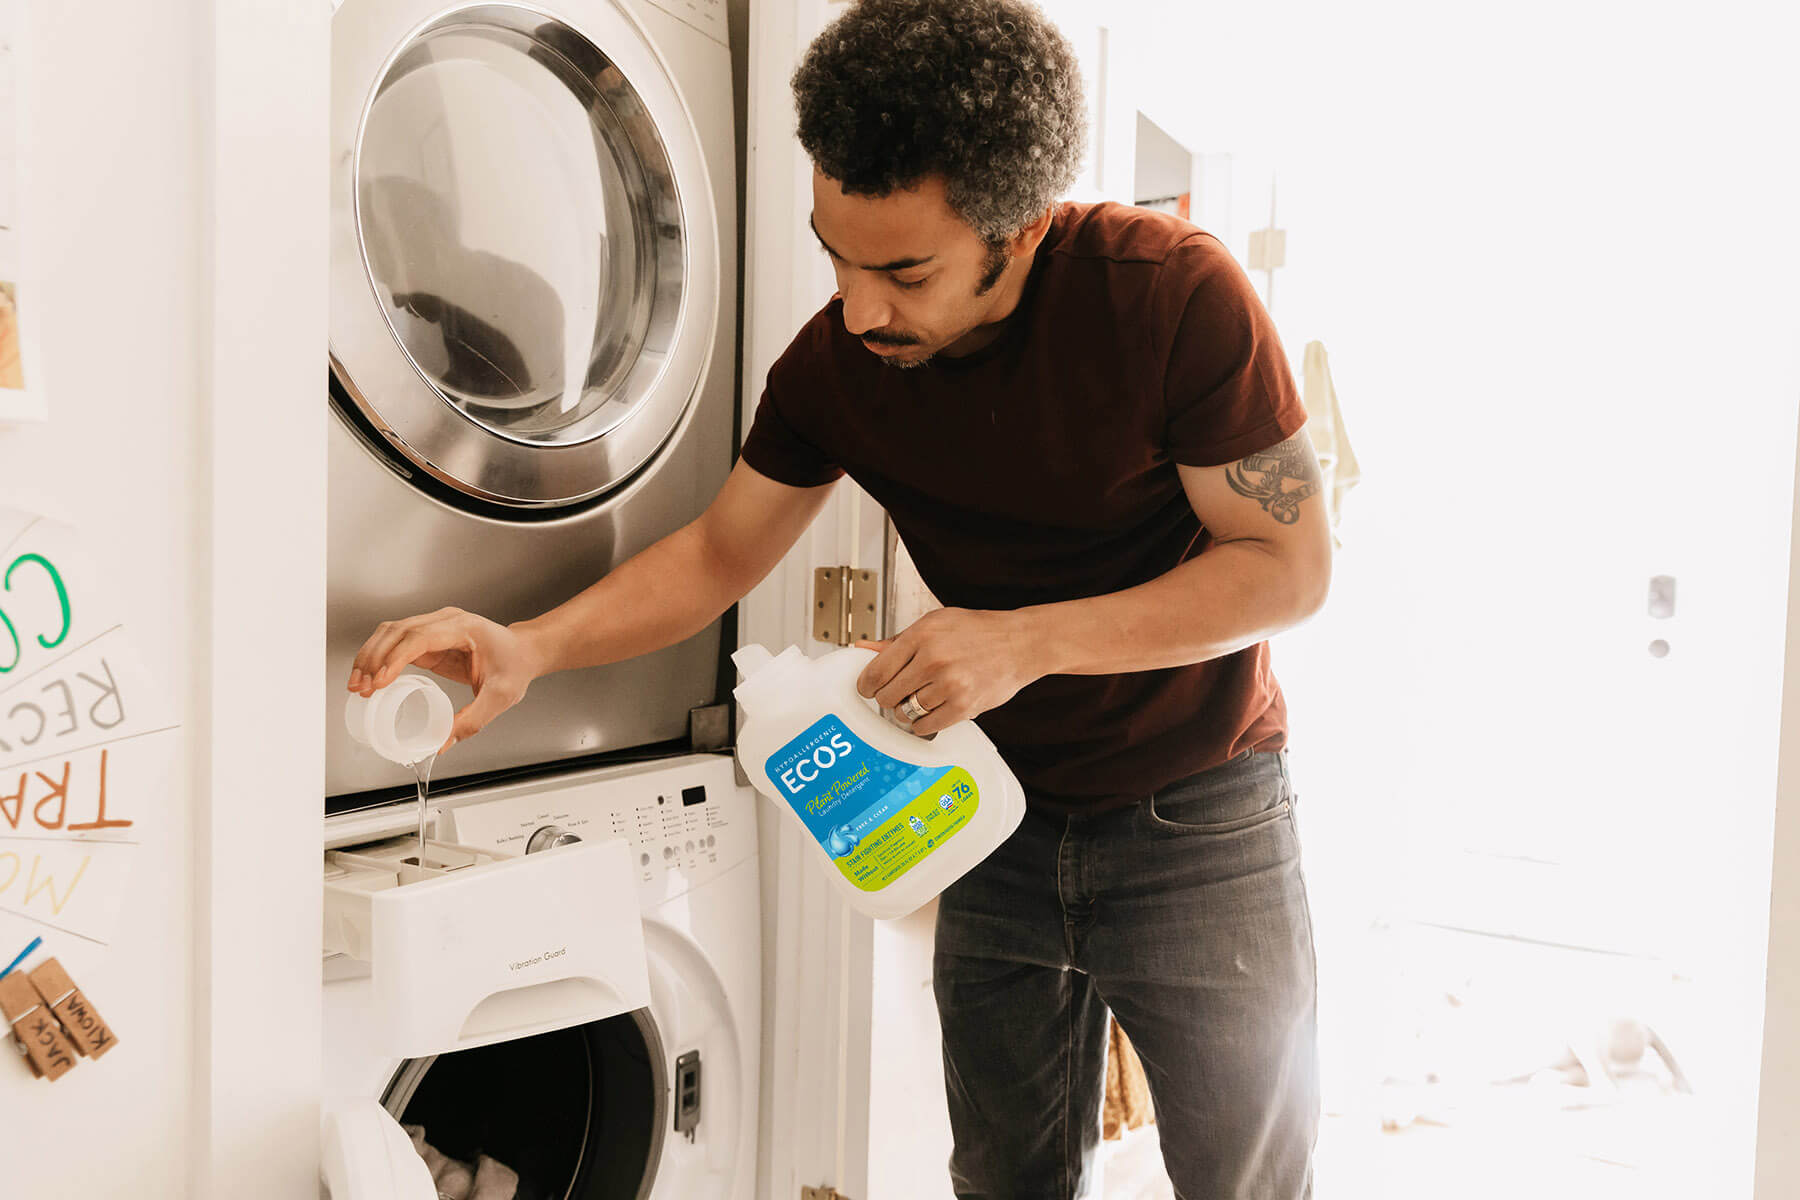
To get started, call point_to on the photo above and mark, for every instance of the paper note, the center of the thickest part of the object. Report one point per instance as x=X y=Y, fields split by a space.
x=87 y=741
x=21 y=387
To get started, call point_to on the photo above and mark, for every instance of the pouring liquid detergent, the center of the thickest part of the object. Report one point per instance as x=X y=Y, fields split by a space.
x=405 y=722
x=897 y=818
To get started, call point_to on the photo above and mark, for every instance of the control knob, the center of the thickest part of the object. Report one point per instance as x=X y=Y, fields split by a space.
x=549 y=837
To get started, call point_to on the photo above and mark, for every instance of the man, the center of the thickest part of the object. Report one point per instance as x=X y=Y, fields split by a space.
x=1083 y=426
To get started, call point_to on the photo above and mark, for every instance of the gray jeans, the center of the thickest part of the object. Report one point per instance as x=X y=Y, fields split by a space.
x=1186 y=915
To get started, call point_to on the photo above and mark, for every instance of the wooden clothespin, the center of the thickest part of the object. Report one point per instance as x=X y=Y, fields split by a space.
x=80 y=1021
x=35 y=1029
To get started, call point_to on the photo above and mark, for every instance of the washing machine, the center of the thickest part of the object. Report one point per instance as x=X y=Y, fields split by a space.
x=531 y=378
x=533 y=324
x=622 y=1065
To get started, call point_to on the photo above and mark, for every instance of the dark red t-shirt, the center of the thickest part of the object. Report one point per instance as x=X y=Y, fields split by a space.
x=1042 y=468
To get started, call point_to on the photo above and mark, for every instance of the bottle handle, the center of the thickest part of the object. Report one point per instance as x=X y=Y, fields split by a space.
x=843 y=666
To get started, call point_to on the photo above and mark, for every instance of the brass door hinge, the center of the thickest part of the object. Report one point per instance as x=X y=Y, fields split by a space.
x=846 y=605
x=822 y=1193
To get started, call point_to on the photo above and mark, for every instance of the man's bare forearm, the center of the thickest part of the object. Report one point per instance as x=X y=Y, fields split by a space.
x=669 y=591
x=1230 y=596
x=678 y=586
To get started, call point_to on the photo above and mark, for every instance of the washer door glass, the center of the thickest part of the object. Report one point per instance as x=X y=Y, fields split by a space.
x=509 y=226
x=574 y=1114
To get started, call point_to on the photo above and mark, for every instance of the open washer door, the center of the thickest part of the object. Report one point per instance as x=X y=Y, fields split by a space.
x=578 y=1114
x=365 y=1155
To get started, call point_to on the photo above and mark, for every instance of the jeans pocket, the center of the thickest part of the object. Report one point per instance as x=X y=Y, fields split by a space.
x=1215 y=803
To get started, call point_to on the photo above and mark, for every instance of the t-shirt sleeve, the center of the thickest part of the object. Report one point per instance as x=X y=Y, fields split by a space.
x=774 y=448
x=1227 y=389
x=777 y=444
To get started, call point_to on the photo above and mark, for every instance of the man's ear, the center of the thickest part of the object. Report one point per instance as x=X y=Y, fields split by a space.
x=1028 y=238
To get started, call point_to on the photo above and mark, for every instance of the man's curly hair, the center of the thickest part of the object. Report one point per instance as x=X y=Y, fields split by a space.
x=986 y=93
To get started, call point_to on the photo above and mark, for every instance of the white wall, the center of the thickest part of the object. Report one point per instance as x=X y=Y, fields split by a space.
x=173 y=178
x=110 y=205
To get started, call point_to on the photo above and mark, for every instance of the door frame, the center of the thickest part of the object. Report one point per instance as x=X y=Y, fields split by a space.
x=817 y=951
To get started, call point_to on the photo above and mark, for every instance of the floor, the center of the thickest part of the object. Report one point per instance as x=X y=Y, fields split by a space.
x=1133 y=1167
x=1440 y=1078
x=1525 y=1144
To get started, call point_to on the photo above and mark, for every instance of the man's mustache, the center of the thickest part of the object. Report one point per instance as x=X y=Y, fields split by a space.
x=890 y=339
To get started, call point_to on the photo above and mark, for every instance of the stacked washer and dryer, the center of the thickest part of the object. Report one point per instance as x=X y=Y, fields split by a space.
x=532 y=378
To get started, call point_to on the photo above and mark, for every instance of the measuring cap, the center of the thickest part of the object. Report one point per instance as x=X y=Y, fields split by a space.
x=403 y=722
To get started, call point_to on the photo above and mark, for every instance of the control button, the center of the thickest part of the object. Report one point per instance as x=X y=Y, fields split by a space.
x=643 y=860
x=690 y=848
x=668 y=853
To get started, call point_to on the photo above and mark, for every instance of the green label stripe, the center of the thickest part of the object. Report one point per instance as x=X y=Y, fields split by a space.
x=897 y=846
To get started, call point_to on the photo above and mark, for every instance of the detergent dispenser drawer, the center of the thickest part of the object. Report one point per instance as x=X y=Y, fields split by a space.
x=471 y=946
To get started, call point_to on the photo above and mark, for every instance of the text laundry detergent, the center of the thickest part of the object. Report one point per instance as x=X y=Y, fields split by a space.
x=897 y=818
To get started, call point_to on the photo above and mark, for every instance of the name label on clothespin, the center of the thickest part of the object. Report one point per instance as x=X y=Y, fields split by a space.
x=79 y=1020
x=47 y=1048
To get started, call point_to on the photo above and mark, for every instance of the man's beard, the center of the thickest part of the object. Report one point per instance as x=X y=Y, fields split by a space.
x=903 y=364
x=993 y=267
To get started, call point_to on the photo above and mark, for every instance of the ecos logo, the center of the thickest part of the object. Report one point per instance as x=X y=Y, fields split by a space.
x=824 y=758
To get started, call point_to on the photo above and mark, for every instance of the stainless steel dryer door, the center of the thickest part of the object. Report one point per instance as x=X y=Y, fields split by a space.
x=524 y=268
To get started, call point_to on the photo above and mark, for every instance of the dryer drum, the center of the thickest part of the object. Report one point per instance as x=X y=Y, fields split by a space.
x=579 y=1114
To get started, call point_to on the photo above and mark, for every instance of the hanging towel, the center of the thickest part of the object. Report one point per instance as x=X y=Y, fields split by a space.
x=1127 y=1094
x=1325 y=423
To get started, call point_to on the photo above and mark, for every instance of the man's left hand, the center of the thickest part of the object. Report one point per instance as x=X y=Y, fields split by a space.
x=957 y=662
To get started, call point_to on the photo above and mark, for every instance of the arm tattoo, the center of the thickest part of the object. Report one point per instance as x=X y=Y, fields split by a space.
x=1278 y=478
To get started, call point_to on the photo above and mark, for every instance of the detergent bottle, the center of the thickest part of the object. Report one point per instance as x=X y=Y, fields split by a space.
x=896 y=818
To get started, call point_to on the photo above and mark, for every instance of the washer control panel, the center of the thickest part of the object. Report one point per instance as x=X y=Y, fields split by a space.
x=687 y=820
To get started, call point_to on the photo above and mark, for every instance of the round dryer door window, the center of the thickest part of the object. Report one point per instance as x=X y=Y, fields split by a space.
x=524 y=250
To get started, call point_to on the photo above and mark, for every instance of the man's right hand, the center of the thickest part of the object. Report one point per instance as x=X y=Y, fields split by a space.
x=495 y=660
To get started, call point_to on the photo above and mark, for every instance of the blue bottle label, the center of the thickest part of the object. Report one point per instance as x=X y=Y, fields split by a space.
x=877 y=817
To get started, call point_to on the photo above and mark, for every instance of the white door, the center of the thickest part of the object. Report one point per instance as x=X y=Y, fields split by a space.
x=1563 y=377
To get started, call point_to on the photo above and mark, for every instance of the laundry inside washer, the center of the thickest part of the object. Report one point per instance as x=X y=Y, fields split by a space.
x=575 y=1114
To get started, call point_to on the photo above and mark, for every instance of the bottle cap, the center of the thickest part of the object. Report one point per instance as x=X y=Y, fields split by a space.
x=765 y=676
x=751 y=658
x=398 y=731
